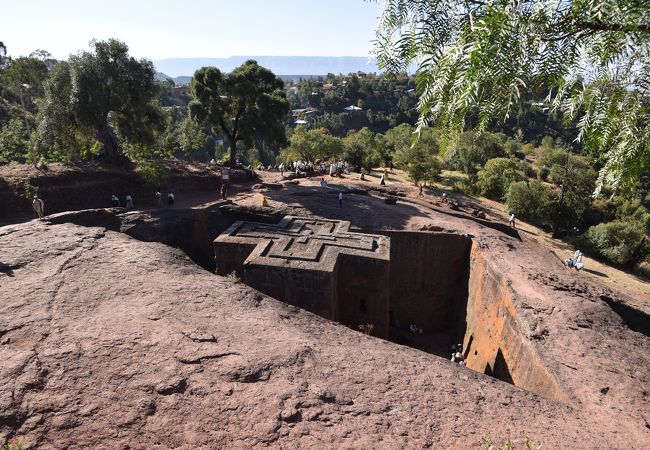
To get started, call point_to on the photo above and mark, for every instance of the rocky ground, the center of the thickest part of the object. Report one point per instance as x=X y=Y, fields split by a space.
x=110 y=342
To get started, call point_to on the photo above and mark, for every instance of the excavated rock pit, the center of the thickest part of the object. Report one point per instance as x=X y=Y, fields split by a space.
x=439 y=283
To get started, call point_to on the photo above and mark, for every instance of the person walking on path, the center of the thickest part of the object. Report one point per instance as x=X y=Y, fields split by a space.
x=39 y=207
x=115 y=201
x=159 y=201
x=171 y=199
x=224 y=193
x=129 y=202
x=512 y=219
x=340 y=199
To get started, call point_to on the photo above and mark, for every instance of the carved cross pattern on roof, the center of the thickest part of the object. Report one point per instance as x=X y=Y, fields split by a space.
x=304 y=242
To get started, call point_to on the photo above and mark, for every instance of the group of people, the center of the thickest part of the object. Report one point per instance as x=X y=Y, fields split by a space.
x=171 y=199
x=338 y=168
x=128 y=201
x=457 y=354
x=575 y=261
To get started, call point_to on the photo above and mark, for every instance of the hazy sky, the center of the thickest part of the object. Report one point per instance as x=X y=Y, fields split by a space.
x=192 y=28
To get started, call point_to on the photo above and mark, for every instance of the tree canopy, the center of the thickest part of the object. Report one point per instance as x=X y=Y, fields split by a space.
x=245 y=105
x=590 y=58
x=102 y=94
x=313 y=145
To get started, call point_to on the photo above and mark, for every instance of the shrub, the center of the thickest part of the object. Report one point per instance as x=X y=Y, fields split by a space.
x=531 y=201
x=153 y=174
x=232 y=276
x=617 y=242
x=496 y=176
x=543 y=173
x=30 y=191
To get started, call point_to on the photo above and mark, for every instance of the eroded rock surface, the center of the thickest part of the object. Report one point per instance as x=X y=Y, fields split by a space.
x=110 y=342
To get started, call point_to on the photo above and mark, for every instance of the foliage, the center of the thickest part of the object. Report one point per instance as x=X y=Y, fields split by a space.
x=385 y=101
x=15 y=443
x=247 y=104
x=471 y=150
x=487 y=442
x=153 y=173
x=102 y=94
x=30 y=191
x=496 y=176
x=314 y=145
x=191 y=136
x=531 y=202
x=23 y=81
x=618 y=242
x=13 y=145
x=232 y=276
x=363 y=149
x=417 y=158
x=590 y=56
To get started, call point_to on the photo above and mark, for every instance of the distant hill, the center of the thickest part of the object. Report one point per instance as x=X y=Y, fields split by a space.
x=186 y=79
x=280 y=65
x=177 y=80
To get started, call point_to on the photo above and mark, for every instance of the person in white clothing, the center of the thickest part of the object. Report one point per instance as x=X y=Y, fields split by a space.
x=39 y=207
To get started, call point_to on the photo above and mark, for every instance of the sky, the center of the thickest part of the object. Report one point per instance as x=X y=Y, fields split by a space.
x=192 y=28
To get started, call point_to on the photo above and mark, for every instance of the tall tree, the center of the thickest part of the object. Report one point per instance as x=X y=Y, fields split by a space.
x=312 y=145
x=103 y=94
x=245 y=105
x=24 y=79
x=478 y=56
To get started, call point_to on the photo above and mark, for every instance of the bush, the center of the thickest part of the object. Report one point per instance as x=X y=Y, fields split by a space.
x=543 y=173
x=29 y=191
x=617 y=242
x=496 y=176
x=153 y=174
x=531 y=201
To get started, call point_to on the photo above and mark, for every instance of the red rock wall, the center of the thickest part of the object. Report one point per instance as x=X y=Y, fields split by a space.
x=494 y=342
x=428 y=278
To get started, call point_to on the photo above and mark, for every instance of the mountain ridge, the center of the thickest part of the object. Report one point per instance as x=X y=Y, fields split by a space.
x=280 y=65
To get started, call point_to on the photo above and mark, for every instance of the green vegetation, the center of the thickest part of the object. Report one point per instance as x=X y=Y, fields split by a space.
x=586 y=60
x=496 y=176
x=313 y=145
x=245 y=105
x=487 y=442
x=15 y=443
x=382 y=102
x=103 y=95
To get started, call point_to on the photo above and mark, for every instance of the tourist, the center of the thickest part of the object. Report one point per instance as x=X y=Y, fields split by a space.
x=444 y=197
x=512 y=219
x=159 y=201
x=264 y=202
x=129 y=202
x=323 y=183
x=171 y=199
x=421 y=188
x=224 y=193
x=382 y=181
x=332 y=170
x=575 y=261
x=39 y=207
x=115 y=201
x=340 y=199
x=281 y=170
x=362 y=177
